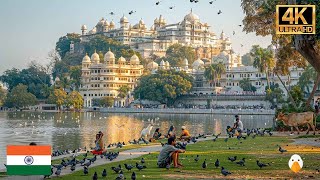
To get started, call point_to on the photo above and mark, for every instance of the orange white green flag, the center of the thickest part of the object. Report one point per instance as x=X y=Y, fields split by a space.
x=28 y=160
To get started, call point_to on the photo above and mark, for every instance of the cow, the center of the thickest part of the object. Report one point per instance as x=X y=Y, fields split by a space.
x=298 y=119
x=146 y=131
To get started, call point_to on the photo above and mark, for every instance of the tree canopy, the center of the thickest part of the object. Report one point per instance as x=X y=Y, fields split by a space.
x=291 y=50
x=123 y=91
x=176 y=54
x=19 y=97
x=63 y=44
x=165 y=86
x=246 y=85
x=247 y=59
x=3 y=95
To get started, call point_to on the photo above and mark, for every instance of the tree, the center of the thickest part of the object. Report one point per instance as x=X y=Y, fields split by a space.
x=58 y=97
x=247 y=59
x=246 y=85
x=106 y=101
x=263 y=60
x=3 y=95
x=123 y=91
x=213 y=73
x=260 y=19
x=275 y=93
x=75 y=75
x=307 y=78
x=63 y=44
x=297 y=95
x=19 y=97
x=164 y=87
x=75 y=100
x=176 y=53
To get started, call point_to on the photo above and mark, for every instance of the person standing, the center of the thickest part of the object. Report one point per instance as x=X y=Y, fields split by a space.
x=238 y=125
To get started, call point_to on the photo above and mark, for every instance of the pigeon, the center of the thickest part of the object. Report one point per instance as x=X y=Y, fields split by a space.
x=240 y=25
x=111 y=13
x=93 y=159
x=282 y=150
x=85 y=170
x=168 y=166
x=260 y=164
x=131 y=12
x=95 y=176
x=233 y=32
x=193 y=140
x=140 y=167
x=128 y=167
x=104 y=173
x=116 y=169
x=85 y=155
x=224 y=171
x=196 y=1
x=197 y=158
x=82 y=161
x=133 y=176
x=73 y=167
x=58 y=166
x=232 y=159
x=219 y=12
x=171 y=7
x=241 y=162
x=211 y=2
x=217 y=163
x=204 y=164
x=87 y=164
x=242 y=46
x=120 y=176
x=58 y=172
x=157 y=3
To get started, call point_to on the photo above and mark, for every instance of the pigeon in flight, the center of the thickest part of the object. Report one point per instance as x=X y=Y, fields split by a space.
x=219 y=12
x=157 y=3
x=171 y=7
x=233 y=32
x=111 y=13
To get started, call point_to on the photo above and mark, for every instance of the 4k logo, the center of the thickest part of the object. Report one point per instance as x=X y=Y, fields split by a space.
x=296 y=19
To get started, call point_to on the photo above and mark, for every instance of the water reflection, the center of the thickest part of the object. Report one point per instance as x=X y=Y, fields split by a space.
x=73 y=130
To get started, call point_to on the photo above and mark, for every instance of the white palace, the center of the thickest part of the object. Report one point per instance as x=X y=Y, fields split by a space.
x=104 y=79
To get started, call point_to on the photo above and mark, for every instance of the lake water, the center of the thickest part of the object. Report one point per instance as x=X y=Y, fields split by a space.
x=73 y=130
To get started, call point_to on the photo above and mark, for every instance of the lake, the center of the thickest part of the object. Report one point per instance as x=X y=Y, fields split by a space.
x=74 y=130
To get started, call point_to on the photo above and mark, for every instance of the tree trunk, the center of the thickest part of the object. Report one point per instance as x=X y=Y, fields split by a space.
x=290 y=97
x=268 y=81
x=315 y=86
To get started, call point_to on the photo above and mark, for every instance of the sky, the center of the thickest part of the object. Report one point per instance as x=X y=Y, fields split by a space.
x=30 y=28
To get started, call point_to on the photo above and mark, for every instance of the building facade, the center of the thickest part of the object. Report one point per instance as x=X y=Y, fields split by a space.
x=104 y=79
x=157 y=39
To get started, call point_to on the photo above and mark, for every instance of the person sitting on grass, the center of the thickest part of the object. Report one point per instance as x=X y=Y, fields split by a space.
x=171 y=132
x=98 y=141
x=169 y=154
x=156 y=135
x=185 y=135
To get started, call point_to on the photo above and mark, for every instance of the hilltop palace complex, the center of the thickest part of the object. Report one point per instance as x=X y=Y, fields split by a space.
x=104 y=79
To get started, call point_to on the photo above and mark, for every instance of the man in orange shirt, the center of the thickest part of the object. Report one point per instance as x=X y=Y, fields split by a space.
x=185 y=135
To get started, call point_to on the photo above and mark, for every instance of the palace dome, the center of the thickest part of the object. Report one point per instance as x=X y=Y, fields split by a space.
x=198 y=63
x=86 y=58
x=112 y=23
x=95 y=57
x=109 y=55
x=106 y=23
x=123 y=19
x=134 y=59
x=191 y=17
x=122 y=59
x=162 y=63
x=101 y=22
x=84 y=27
x=152 y=65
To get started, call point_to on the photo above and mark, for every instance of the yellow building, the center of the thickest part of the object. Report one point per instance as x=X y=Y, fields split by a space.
x=104 y=79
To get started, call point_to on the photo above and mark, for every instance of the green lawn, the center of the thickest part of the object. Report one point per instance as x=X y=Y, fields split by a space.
x=264 y=149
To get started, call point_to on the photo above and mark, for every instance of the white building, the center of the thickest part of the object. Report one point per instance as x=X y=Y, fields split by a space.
x=104 y=79
x=156 y=39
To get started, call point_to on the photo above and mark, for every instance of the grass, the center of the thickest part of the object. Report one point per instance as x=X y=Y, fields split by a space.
x=264 y=149
x=309 y=136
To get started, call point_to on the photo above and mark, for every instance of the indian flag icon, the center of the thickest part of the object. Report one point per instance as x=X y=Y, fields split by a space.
x=28 y=160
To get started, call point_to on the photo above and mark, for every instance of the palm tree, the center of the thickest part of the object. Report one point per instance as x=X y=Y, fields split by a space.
x=220 y=69
x=123 y=91
x=210 y=73
x=263 y=60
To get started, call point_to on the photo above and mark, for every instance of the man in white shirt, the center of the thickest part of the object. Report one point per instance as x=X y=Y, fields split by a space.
x=238 y=125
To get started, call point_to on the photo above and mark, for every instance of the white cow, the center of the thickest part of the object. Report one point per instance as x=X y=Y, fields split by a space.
x=146 y=131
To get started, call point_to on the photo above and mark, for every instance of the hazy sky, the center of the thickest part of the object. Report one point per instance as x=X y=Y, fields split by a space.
x=30 y=28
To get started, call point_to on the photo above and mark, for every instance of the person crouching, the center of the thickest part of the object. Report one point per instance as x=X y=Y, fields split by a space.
x=169 y=154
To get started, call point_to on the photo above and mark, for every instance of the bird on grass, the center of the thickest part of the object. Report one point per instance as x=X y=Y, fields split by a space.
x=104 y=173
x=133 y=176
x=193 y=139
x=140 y=167
x=261 y=165
x=282 y=150
x=226 y=139
x=217 y=163
x=95 y=176
x=142 y=160
x=232 y=159
x=58 y=172
x=197 y=158
x=224 y=171
x=204 y=164
x=120 y=176
x=73 y=167
x=241 y=162
x=116 y=169
x=85 y=170
x=87 y=164
x=128 y=166
x=168 y=166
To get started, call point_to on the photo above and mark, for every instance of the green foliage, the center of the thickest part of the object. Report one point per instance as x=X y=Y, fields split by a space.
x=247 y=59
x=165 y=86
x=75 y=100
x=106 y=101
x=19 y=97
x=63 y=44
x=58 y=97
x=75 y=75
x=123 y=91
x=307 y=78
x=275 y=92
x=35 y=77
x=246 y=85
x=297 y=95
x=213 y=72
x=176 y=53
x=3 y=95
